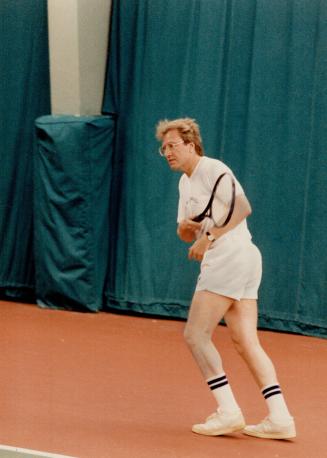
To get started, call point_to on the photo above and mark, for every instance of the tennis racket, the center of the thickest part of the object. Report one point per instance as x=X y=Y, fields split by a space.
x=221 y=204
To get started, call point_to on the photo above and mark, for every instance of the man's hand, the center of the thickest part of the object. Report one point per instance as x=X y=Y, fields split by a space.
x=187 y=230
x=198 y=248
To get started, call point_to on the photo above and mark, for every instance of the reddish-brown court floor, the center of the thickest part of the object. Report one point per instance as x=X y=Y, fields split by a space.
x=114 y=386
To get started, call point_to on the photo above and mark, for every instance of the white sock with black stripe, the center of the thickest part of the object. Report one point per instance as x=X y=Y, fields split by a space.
x=278 y=411
x=223 y=393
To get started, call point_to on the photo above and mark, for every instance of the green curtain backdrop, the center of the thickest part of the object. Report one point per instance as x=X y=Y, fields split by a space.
x=253 y=73
x=24 y=95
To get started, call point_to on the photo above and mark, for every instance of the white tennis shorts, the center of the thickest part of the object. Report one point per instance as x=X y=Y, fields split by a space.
x=231 y=268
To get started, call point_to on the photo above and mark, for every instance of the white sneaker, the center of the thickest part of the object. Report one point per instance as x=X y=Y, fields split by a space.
x=220 y=423
x=267 y=429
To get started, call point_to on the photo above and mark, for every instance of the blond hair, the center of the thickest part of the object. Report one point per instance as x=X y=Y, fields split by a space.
x=187 y=128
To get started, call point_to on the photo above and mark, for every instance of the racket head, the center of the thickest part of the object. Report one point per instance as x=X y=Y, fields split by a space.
x=223 y=201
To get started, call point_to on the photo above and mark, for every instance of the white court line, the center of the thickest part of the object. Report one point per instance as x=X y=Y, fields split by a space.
x=14 y=452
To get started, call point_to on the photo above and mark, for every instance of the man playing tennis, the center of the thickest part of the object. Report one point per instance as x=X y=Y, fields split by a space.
x=226 y=288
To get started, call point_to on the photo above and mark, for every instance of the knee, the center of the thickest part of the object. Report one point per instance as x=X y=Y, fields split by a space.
x=195 y=337
x=190 y=335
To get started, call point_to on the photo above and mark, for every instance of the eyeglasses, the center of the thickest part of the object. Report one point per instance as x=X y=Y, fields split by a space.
x=169 y=146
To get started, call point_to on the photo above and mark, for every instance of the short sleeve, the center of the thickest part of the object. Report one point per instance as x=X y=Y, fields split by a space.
x=215 y=169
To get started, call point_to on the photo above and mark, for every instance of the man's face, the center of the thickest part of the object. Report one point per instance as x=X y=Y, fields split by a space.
x=176 y=151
